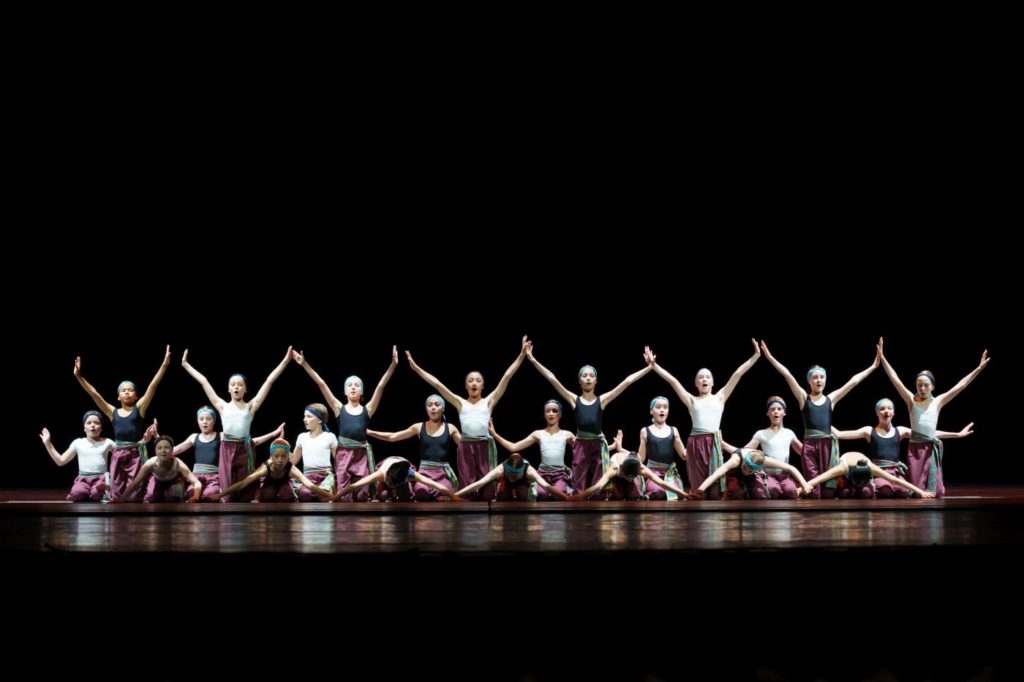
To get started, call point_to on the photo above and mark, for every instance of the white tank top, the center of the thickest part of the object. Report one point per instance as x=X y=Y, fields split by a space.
x=924 y=420
x=776 y=444
x=473 y=418
x=92 y=457
x=552 y=448
x=707 y=413
x=316 y=452
x=236 y=421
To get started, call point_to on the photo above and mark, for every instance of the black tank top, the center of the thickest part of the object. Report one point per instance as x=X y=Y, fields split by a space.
x=434 y=448
x=207 y=453
x=127 y=428
x=880 y=447
x=353 y=426
x=817 y=417
x=660 y=449
x=588 y=417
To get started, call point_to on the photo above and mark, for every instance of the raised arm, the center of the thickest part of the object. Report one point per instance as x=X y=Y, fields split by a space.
x=648 y=474
x=332 y=400
x=794 y=385
x=301 y=478
x=245 y=482
x=492 y=475
x=838 y=394
x=499 y=390
x=617 y=391
x=60 y=459
x=276 y=433
x=963 y=383
x=532 y=475
x=420 y=478
x=392 y=436
x=455 y=401
x=683 y=394
x=905 y=393
x=731 y=463
x=147 y=397
x=197 y=485
x=566 y=395
x=211 y=395
x=863 y=432
x=962 y=433
x=879 y=472
x=105 y=407
x=261 y=395
x=371 y=406
x=740 y=371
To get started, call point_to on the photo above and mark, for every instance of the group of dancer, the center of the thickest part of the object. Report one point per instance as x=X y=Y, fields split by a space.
x=341 y=466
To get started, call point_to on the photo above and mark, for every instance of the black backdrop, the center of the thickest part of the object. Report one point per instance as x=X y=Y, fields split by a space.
x=460 y=298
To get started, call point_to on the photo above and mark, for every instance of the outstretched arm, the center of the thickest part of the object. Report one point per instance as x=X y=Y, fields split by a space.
x=962 y=433
x=184 y=446
x=106 y=408
x=392 y=436
x=879 y=472
x=499 y=390
x=740 y=371
x=730 y=463
x=509 y=445
x=255 y=403
x=197 y=485
x=301 y=478
x=492 y=475
x=147 y=397
x=433 y=381
x=963 y=383
x=838 y=470
x=794 y=385
x=420 y=478
x=838 y=394
x=683 y=394
x=144 y=472
x=378 y=392
x=863 y=432
x=788 y=468
x=567 y=395
x=364 y=481
x=617 y=391
x=905 y=393
x=532 y=475
x=648 y=474
x=276 y=433
x=245 y=482
x=602 y=482
x=60 y=459
x=332 y=400
x=211 y=395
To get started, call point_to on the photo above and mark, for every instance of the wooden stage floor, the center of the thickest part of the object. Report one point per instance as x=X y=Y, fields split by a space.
x=33 y=521
x=689 y=579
